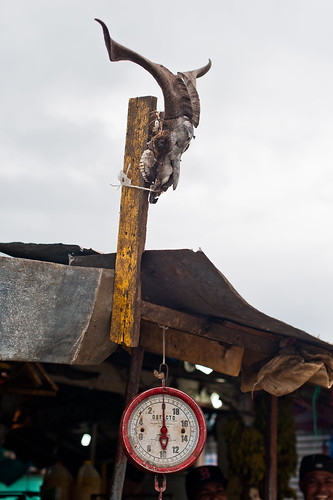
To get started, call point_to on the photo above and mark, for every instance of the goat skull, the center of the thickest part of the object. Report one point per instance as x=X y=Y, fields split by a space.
x=160 y=162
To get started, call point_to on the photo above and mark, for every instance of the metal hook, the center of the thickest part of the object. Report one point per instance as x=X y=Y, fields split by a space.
x=163 y=369
x=160 y=484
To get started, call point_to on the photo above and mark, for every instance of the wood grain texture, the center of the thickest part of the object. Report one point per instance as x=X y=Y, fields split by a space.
x=194 y=349
x=53 y=313
x=220 y=331
x=125 y=321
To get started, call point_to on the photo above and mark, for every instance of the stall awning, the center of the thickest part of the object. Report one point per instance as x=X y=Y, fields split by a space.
x=208 y=322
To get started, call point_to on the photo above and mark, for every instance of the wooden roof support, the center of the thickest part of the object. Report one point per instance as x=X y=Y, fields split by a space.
x=271 y=447
x=126 y=315
x=119 y=470
x=211 y=328
x=125 y=321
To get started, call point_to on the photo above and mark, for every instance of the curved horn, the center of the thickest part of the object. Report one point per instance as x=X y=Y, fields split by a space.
x=190 y=78
x=177 y=101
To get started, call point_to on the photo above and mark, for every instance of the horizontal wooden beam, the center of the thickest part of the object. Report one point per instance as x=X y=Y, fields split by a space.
x=221 y=331
x=196 y=350
x=173 y=319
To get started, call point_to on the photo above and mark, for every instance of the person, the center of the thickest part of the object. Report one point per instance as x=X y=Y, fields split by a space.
x=316 y=477
x=206 y=483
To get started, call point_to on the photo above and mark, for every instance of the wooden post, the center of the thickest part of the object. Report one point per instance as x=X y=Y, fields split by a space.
x=125 y=319
x=271 y=447
x=119 y=470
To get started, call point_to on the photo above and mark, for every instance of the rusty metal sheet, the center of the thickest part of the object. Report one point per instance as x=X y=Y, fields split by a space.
x=189 y=282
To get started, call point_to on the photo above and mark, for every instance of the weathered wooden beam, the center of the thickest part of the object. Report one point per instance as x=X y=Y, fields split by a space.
x=271 y=447
x=133 y=380
x=125 y=322
x=53 y=313
x=26 y=378
x=220 y=331
x=174 y=319
x=194 y=349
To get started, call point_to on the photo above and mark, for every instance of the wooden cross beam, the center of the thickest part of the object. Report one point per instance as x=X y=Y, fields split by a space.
x=125 y=319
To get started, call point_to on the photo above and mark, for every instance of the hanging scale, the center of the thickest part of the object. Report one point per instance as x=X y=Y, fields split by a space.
x=163 y=430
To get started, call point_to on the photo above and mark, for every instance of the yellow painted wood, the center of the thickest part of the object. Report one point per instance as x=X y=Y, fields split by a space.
x=125 y=319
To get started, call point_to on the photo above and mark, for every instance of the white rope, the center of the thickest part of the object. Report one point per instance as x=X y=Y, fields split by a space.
x=125 y=181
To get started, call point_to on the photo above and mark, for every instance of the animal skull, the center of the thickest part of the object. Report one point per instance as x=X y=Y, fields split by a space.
x=160 y=162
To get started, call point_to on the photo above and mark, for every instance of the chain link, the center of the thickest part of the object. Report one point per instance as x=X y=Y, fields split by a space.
x=160 y=484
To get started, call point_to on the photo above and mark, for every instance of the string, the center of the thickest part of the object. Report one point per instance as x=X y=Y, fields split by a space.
x=125 y=181
x=163 y=342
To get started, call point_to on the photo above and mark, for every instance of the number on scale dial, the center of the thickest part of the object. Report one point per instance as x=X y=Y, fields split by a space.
x=163 y=430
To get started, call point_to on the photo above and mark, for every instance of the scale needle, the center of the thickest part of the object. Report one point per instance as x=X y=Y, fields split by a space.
x=163 y=437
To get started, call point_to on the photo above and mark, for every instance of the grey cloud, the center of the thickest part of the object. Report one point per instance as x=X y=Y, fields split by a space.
x=256 y=187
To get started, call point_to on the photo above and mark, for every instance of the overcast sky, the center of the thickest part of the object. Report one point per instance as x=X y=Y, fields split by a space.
x=256 y=185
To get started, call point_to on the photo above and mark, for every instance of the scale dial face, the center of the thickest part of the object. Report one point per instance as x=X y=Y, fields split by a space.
x=163 y=430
